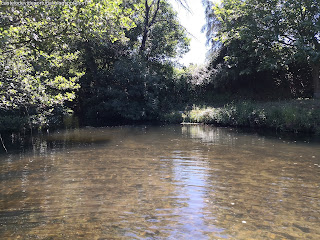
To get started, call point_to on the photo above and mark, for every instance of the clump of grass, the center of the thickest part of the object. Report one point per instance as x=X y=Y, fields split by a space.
x=296 y=116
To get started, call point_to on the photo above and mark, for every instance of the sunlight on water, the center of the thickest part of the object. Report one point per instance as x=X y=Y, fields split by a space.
x=173 y=182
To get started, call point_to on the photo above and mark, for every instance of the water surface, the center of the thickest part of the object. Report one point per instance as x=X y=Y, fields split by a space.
x=172 y=182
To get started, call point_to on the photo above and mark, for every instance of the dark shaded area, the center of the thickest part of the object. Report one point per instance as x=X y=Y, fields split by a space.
x=246 y=80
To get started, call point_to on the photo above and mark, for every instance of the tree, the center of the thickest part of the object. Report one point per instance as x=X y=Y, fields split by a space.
x=39 y=68
x=52 y=54
x=280 y=31
x=158 y=35
x=125 y=81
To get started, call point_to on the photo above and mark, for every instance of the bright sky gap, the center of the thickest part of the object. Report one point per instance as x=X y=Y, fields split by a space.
x=193 y=21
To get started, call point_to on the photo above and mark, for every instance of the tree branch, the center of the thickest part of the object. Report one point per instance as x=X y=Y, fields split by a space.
x=155 y=14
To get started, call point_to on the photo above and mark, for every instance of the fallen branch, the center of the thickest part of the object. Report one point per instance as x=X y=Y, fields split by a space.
x=3 y=144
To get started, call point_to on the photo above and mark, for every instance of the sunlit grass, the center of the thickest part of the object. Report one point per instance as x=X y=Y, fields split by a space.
x=295 y=115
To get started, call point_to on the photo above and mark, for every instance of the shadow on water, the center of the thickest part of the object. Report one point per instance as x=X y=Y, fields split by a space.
x=15 y=143
x=285 y=136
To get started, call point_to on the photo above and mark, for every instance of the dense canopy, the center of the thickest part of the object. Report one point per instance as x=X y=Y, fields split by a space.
x=103 y=61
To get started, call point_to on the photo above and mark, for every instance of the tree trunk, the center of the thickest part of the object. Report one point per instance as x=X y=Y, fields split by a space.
x=316 y=80
x=144 y=40
x=149 y=20
x=146 y=27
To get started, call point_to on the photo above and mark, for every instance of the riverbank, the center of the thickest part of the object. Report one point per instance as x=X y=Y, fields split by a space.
x=293 y=116
x=298 y=116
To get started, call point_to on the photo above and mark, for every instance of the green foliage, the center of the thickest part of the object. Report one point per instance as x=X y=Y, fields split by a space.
x=255 y=42
x=125 y=82
x=127 y=93
x=39 y=58
x=87 y=56
x=295 y=116
x=130 y=91
x=281 y=26
x=158 y=35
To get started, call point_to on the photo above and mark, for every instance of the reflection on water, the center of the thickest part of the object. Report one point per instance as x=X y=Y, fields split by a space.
x=174 y=182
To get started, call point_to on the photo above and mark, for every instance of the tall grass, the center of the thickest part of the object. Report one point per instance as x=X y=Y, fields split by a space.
x=295 y=115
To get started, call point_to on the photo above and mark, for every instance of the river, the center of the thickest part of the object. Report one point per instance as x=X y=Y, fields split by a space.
x=161 y=182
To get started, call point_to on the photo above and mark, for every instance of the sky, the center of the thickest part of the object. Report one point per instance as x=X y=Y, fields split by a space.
x=193 y=22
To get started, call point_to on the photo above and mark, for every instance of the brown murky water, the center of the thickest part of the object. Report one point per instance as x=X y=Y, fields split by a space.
x=173 y=182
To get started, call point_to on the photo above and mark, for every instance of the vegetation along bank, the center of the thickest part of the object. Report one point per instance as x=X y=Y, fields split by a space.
x=105 y=62
x=299 y=116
